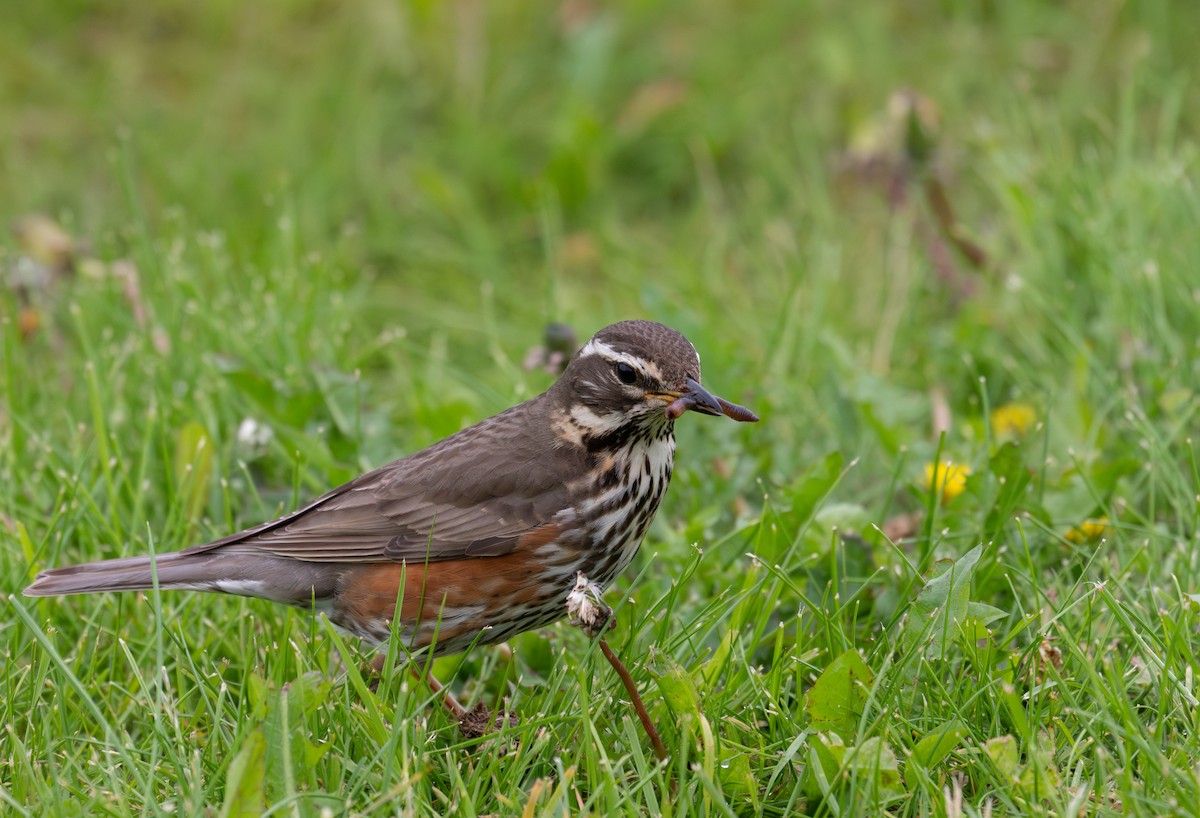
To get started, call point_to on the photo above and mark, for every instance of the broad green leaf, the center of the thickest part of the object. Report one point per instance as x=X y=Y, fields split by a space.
x=874 y=761
x=941 y=606
x=290 y=752
x=244 y=791
x=985 y=613
x=1040 y=775
x=736 y=776
x=280 y=772
x=259 y=691
x=313 y=752
x=676 y=685
x=307 y=693
x=972 y=631
x=825 y=756
x=930 y=750
x=831 y=764
x=1002 y=750
x=835 y=703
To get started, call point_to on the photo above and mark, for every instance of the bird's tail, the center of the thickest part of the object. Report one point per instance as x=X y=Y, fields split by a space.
x=128 y=574
x=244 y=573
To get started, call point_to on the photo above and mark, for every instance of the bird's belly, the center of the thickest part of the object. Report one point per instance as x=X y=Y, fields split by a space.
x=454 y=604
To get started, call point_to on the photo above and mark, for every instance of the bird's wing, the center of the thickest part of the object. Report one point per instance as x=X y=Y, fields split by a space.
x=435 y=505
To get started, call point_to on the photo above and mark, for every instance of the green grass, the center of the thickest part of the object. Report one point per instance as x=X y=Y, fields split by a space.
x=348 y=222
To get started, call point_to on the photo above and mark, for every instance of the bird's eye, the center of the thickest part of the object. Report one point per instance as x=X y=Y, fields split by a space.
x=626 y=374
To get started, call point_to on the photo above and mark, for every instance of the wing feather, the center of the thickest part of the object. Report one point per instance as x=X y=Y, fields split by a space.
x=439 y=504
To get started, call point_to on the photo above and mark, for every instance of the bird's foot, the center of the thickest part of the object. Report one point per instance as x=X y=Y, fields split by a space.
x=480 y=720
x=587 y=608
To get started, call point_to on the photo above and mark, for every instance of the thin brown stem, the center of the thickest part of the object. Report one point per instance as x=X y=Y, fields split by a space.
x=638 y=705
x=947 y=224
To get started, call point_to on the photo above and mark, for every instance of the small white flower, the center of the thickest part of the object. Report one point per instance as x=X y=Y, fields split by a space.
x=253 y=436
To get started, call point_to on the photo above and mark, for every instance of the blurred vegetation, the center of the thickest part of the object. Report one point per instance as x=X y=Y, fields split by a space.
x=258 y=248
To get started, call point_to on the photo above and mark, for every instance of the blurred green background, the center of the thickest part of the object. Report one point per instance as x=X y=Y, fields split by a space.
x=879 y=222
x=480 y=167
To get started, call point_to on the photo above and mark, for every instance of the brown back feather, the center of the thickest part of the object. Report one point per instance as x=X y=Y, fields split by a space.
x=473 y=494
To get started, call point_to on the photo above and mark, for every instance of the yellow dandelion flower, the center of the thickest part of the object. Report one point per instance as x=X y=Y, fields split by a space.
x=1013 y=420
x=1089 y=530
x=946 y=478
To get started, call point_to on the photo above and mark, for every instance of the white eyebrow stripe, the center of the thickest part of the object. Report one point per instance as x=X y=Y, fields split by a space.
x=594 y=347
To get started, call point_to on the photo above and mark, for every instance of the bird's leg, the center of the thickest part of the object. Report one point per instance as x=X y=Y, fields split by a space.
x=452 y=704
x=473 y=723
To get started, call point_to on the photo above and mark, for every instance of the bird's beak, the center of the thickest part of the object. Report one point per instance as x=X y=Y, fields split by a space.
x=697 y=398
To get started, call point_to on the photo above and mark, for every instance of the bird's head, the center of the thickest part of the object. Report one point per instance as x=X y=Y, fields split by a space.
x=637 y=372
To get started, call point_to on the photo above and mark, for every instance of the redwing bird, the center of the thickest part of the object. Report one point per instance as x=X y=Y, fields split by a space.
x=487 y=529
